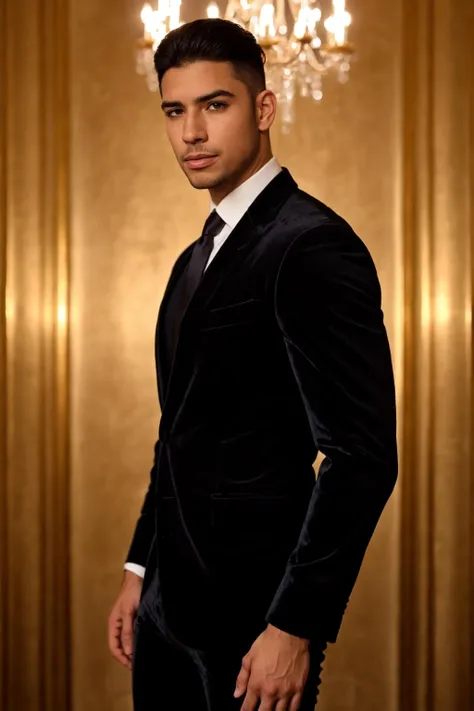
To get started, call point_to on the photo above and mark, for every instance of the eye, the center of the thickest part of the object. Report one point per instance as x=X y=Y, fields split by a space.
x=173 y=113
x=217 y=105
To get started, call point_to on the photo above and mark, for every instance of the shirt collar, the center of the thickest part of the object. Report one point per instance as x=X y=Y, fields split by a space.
x=234 y=206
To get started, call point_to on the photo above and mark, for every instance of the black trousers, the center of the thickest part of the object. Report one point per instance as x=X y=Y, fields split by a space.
x=168 y=676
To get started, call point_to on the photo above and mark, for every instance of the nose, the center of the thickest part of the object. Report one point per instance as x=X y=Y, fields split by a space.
x=194 y=128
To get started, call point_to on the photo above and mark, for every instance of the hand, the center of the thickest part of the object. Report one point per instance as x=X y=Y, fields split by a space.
x=122 y=617
x=274 y=672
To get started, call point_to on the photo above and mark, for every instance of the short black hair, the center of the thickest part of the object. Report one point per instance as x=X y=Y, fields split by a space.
x=213 y=40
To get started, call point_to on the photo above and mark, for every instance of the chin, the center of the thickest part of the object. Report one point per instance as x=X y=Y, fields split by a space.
x=201 y=181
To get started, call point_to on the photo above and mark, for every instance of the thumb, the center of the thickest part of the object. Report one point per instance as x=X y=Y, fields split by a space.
x=127 y=633
x=242 y=680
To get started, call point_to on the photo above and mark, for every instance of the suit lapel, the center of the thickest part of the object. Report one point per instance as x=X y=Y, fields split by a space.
x=163 y=368
x=242 y=238
x=229 y=257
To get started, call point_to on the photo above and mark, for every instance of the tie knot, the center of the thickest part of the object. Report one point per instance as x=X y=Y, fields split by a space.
x=212 y=226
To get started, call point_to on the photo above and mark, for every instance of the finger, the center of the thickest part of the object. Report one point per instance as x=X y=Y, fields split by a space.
x=242 y=682
x=269 y=703
x=115 y=643
x=250 y=701
x=295 y=702
x=127 y=634
x=284 y=704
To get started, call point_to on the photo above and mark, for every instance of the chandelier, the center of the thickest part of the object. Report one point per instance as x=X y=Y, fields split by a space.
x=288 y=31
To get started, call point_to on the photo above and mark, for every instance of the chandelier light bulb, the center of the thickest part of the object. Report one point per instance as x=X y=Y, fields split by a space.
x=338 y=22
x=213 y=11
x=146 y=13
x=314 y=16
x=266 y=24
x=299 y=28
x=253 y=25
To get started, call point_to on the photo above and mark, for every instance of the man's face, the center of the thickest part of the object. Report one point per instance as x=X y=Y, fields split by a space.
x=212 y=124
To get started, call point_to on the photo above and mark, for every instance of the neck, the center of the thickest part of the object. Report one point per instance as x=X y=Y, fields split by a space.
x=221 y=191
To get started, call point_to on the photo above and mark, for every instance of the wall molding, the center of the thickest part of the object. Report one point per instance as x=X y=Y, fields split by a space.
x=34 y=357
x=3 y=364
x=436 y=593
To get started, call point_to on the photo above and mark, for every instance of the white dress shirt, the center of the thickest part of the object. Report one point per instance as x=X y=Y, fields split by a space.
x=231 y=210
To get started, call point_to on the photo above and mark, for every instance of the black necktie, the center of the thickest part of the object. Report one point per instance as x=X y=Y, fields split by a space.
x=192 y=276
x=201 y=253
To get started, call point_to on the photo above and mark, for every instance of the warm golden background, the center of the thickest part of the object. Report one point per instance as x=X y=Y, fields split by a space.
x=93 y=213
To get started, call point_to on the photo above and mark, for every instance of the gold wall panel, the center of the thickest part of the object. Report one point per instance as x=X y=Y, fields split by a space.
x=436 y=634
x=35 y=646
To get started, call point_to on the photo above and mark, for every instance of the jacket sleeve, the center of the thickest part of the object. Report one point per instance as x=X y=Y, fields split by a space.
x=328 y=306
x=145 y=528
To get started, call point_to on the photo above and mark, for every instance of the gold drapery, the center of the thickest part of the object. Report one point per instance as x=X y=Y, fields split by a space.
x=85 y=252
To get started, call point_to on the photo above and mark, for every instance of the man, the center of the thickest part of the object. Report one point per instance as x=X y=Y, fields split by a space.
x=270 y=347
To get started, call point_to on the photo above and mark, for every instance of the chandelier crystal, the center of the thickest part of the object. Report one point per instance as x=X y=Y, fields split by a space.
x=288 y=31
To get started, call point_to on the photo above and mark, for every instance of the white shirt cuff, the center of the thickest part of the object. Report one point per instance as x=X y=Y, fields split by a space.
x=134 y=568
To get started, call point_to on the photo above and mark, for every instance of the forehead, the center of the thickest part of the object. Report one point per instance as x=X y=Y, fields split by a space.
x=197 y=79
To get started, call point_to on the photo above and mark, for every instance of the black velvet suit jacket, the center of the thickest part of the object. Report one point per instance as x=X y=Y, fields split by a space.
x=282 y=352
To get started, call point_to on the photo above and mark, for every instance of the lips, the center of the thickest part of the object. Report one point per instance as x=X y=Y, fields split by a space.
x=199 y=161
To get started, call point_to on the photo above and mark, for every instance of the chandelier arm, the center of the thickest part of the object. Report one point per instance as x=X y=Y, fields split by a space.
x=314 y=62
x=286 y=62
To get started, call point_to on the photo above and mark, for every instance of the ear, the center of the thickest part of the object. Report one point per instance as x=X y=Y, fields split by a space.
x=266 y=104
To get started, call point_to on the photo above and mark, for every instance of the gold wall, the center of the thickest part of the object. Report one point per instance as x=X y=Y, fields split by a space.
x=94 y=211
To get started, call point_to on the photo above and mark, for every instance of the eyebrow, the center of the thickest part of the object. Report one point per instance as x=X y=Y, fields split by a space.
x=199 y=99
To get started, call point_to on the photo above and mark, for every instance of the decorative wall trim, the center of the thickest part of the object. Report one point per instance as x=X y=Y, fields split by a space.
x=34 y=357
x=415 y=663
x=436 y=467
x=54 y=42
x=3 y=346
x=470 y=266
